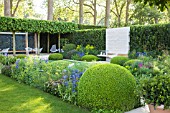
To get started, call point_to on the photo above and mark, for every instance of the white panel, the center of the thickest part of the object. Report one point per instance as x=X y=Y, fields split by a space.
x=117 y=40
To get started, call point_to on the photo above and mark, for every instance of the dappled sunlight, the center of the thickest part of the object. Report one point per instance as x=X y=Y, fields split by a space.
x=3 y=89
x=35 y=105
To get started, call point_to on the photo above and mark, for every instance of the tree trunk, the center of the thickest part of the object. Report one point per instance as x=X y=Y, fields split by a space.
x=7 y=9
x=50 y=10
x=81 y=11
x=127 y=12
x=119 y=21
x=95 y=12
x=107 y=13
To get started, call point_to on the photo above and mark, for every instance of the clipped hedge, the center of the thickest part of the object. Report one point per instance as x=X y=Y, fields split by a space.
x=55 y=56
x=120 y=60
x=31 y=25
x=80 y=26
x=95 y=37
x=89 y=58
x=107 y=86
x=150 y=38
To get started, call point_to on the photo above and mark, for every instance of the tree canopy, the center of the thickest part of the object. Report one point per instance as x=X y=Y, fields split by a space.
x=162 y=4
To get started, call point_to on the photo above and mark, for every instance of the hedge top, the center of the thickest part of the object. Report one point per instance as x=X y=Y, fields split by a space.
x=31 y=25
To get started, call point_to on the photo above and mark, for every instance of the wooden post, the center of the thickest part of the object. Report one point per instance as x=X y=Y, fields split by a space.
x=59 y=42
x=26 y=43
x=14 y=45
x=38 y=49
x=48 y=43
x=35 y=41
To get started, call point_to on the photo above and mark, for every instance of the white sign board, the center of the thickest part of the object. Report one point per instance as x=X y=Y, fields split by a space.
x=117 y=40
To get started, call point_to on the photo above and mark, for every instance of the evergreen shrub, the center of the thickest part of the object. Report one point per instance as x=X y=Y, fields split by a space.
x=55 y=56
x=107 y=86
x=89 y=58
x=120 y=60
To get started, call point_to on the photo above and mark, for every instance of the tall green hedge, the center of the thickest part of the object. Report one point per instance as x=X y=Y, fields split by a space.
x=80 y=26
x=150 y=37
x=95 y=37
x=30 y=25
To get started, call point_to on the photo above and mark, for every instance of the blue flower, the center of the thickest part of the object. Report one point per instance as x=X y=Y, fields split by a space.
x=81 y=54
x=66 y=83
x=65 y=77
x=17 y=63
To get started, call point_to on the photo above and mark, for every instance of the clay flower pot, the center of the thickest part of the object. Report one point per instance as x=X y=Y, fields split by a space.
x=159 y=109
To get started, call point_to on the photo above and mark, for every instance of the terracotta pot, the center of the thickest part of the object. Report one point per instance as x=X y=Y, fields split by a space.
x=159 y=109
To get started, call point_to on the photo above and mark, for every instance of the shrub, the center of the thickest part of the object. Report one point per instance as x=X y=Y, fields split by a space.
x=21 y=56
x=69 y=54
x=75 y=57
x=120 y=60
x=107 y=86
x=69 y=47
x=6 y=70
x=55 y=56
x=131 y=62
x=8 y=60
x=89 y=58
x=156 y=90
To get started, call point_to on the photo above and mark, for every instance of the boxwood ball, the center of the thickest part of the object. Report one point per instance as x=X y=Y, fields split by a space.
x=107 y=86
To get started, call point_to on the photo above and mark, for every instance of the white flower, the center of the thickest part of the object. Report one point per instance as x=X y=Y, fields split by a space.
x=70 y=65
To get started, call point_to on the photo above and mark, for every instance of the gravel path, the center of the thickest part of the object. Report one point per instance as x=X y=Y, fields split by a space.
x=143 y=109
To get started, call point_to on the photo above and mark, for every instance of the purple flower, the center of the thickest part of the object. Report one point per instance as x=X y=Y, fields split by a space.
x=6 y=54
x=140 y=65
x=17 y=63
x=65 y=77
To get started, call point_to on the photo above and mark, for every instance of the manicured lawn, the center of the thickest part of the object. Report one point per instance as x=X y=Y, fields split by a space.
x=20 y=98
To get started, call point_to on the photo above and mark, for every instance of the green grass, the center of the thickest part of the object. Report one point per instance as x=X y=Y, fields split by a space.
x=20 y=98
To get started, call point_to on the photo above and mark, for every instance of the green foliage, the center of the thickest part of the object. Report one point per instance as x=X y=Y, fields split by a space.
x=55 y=56
x=154 y=38
x=76 y=57
x=30 y=25
x=80 y=26
x=69 y=47
x=6 y=70
x=160 y=4
x=120 y=60
x=36 y=72
x=7 y=60
x=107 y=86
x=69 y=54
x=88 y=49
x=89 y=58
x=132 y=62
x=21 y=56
x=156 y=90
x=95 y=37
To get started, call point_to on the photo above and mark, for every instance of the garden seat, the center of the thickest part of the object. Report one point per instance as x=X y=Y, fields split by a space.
x=28 y=49
x=36 y=50
x=5 y=51
x=53 y=49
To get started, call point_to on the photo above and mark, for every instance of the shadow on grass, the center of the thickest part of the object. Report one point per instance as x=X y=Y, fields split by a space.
x=20 y=98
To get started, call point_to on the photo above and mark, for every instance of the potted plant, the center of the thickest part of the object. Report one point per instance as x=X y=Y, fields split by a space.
x=156 y=93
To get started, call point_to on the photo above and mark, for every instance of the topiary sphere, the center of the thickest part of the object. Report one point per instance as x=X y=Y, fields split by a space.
x=107 y=86
x=89 y=58
x=55 y=56
x=120 y=60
